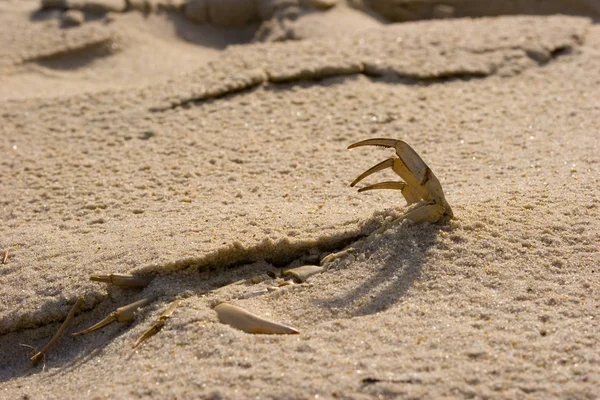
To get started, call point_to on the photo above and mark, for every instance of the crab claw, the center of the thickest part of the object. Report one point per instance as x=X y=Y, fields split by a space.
x=413 y=162
x=408 y=192
x=419 y=181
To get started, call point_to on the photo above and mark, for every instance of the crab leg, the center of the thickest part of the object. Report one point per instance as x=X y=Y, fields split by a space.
x=393 y=185
x=375 y=142
x=413 y=162
x=431 y=213
x=121 y=314
x=402 y=170
x=409 y=194
x=419 y=184
x=158 y=324
x=389 y=163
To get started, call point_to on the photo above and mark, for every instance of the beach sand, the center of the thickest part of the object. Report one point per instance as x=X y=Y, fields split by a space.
x=202 y=154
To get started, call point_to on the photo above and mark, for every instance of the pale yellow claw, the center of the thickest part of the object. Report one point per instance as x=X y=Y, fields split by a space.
x=409 y=194
x=121 y=314
x=420 y=183
x=389 y=163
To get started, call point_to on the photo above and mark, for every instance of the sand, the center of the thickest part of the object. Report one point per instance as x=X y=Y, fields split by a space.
x=203 y=154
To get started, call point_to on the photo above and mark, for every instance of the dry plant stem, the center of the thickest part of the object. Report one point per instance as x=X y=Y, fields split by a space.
x=124 y=280
x=5 y=258
x=121 y=314
x=158 y=324
x=37 y=357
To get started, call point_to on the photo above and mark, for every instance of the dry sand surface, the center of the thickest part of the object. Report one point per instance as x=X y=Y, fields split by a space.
x=152 y=145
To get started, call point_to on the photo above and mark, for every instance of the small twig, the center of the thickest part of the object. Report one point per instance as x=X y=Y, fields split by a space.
x=42 y=353
x=5 y=258
x=158 y=325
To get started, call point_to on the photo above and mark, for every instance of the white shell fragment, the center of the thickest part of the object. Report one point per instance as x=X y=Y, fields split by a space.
x=301 y=274
x=245 y=321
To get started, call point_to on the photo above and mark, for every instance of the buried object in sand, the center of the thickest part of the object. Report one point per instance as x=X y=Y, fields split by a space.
x=245 y=321
x=420 y=186
x=301 y=274
x=124 y=280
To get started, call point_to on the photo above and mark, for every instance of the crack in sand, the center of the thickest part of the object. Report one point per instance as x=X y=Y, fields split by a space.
x=223 y=262
x=409 y=59
x=540 y=57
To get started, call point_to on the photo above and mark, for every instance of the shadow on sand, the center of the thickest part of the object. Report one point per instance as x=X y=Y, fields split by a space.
x=401 y=256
